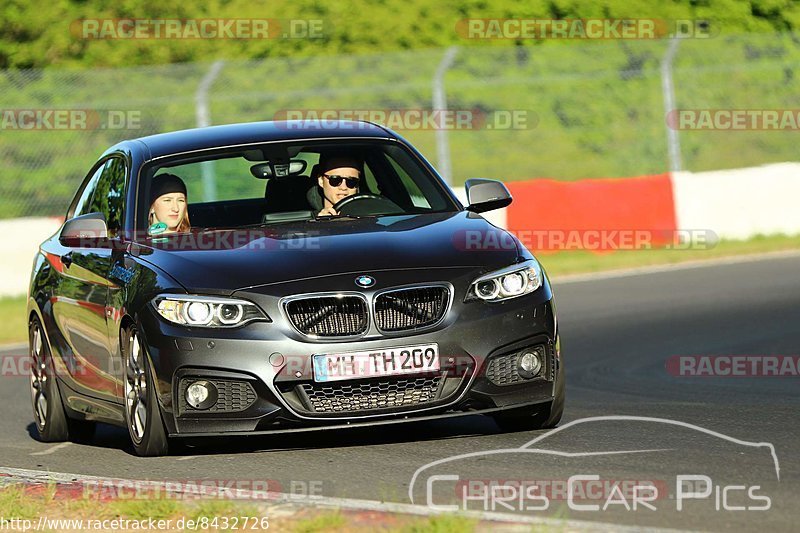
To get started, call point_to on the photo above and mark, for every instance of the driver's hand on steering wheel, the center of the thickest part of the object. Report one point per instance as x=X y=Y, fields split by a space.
x=328 y=211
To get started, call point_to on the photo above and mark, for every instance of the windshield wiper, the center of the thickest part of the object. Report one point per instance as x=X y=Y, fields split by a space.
x=332 y=217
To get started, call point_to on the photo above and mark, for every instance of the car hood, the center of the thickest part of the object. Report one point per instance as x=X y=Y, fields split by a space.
x=225 y=261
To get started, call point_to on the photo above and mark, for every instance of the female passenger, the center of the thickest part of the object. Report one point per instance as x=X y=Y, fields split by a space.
x=168 y=213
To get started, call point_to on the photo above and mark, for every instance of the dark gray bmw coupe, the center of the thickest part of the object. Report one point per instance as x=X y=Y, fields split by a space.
x=253 y=278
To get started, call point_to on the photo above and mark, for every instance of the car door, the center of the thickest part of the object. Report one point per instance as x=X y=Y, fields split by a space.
x=120 y=268
x=80 y=306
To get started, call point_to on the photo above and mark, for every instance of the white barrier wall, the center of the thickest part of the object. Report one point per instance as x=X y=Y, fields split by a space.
x=739 y=203
x=20 y=241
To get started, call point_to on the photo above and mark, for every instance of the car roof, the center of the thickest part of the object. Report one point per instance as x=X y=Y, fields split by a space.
x=163 y=144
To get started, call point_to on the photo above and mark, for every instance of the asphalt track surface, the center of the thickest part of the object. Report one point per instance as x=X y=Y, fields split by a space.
x=617 y=335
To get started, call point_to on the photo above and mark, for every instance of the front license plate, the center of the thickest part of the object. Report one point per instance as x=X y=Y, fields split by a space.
x=387 y=362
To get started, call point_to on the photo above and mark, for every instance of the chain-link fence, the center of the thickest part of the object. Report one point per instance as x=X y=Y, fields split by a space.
x=561 y=111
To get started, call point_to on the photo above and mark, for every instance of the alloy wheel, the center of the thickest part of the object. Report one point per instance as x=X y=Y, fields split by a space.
x=136 y=389
x=38 y=378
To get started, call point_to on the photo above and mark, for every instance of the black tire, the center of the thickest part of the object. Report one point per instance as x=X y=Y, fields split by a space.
x=81 y=431
x=142 y=412
x=51 y=421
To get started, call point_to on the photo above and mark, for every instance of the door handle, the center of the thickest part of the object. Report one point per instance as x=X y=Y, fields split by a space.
x=66 y=259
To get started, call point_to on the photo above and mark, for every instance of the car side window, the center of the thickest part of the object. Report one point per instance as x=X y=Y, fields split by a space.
x=417 y=198
x=369 y=177
x=80 y=205
x=109 y=194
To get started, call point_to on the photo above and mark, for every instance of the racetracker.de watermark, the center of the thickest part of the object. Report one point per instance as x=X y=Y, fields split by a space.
x=184 y=489
x=585 y=29
x=734 y=119
x=585 y=239
x=69 y=119
x=197 y=28
x=21 y=366
x=228 y=239
x=409 y=119
x=600 y=240
x=734 y=366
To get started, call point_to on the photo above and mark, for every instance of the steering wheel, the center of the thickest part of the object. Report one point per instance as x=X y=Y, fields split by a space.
x=366 y=204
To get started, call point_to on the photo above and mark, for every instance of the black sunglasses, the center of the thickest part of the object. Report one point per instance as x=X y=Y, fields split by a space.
x=335 y=181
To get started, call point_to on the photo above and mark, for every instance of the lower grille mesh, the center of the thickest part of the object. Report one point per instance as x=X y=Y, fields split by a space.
x=371 y=394
x=502 y=369
x=232 y=396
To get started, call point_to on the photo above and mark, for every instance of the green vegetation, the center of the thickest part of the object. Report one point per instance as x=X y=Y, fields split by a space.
x=13 y=322
x=33 y=37
x=15 y=503
x=592 y=109
x=142 y=509
x=443 y=524
x=29 y=502
x=327 y=521
x=209 y=508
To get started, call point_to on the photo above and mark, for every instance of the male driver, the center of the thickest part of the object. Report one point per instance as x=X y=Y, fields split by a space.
x=338 y=177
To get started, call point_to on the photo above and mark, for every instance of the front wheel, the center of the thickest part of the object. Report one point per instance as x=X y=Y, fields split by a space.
x=52 y=422
x=142 y=413
x=48 y=411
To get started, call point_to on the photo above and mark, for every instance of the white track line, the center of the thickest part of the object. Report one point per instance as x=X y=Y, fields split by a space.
x=53 y=449
x=11 y=475
x=685 y=265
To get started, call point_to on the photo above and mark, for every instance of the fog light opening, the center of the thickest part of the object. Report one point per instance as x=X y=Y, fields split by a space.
x=201 y=395
x=529 y=364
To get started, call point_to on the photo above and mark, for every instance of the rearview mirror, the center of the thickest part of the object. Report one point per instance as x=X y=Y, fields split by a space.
x=85 y=231
x=268 y=170
x=486 y=195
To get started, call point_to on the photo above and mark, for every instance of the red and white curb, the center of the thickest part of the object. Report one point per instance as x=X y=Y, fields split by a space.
x=10 y=476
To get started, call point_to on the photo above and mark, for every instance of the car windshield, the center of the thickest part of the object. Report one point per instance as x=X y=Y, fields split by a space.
x=288 y=182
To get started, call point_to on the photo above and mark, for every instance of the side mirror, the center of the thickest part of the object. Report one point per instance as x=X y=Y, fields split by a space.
x=486 y=195
x=85 y=231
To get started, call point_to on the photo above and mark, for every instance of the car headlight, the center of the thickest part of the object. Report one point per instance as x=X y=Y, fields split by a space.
x=207 y=311
x=510 y=282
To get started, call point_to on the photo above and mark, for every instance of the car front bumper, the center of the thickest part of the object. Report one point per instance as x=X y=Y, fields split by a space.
x=263 y=371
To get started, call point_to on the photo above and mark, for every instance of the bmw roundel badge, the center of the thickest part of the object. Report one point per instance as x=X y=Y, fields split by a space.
x=365 y=281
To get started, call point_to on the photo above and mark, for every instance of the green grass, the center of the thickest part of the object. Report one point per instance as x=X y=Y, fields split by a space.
x=21 y=502
x=15 y=503
x=327 y=521
x=142 y=509
x=443 y=524
x=13 y=322
x=209 y=508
